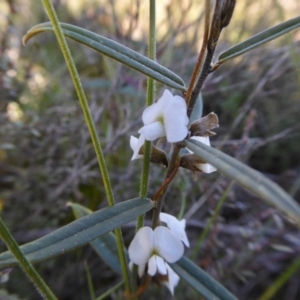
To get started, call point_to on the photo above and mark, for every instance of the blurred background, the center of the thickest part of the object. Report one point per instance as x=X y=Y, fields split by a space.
x=47 y=159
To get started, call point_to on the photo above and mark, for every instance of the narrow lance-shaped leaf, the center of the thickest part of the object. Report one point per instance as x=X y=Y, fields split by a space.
x=80 y=232
x=202 y=282
x=105 y=245
x=257 y=40
x=114 y=50
x=247 y=177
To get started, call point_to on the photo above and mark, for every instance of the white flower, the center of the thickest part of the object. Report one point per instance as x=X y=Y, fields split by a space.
x=206 y=167
x=173 y=279
x=177 y=227
x=155 y=248
x=167 y=117
x=136 y=145
x=170 y=280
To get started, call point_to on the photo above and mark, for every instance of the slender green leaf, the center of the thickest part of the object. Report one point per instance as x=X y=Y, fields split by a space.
x=114 y=50
x=109 y=291
x=285 y=276
x=106 y=248
x=203 y=283
x=89 y=281
x=79 y=211
x=247 y=177
x=80 y=232
x=105 y=245
x=257 y=40
x=27 y=267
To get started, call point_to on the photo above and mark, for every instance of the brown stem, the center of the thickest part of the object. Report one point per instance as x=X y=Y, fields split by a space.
x=214 y=34
x=160 y=194
x=201 y=53
x=165 y=184
x=203 y=75
x=141 y=289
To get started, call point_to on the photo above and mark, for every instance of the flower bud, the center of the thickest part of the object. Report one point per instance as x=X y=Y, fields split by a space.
x=158 y=156
x=191 y=162
x=221 y=18
x=226 y=12
x=203 y=126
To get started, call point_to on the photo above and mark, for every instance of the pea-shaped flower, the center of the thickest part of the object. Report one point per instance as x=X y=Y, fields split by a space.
x=136 y=145
x=177 y=227
x=155 y=248
x=165 y=118
x=204 y=167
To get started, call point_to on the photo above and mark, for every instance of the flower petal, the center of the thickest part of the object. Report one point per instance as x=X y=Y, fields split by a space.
x=152 y=268
x=167 y=245
x=152 y=113
x=141 y=246
x=206 y=168
x=202 y=139
x=161 y=265
x=153 y=131
x=177 y=227
x=136 y=145
x=165 y=99
x=155 y=111
x=183 y=235
x=175 y=120
x=141 y=268
x=173 y=279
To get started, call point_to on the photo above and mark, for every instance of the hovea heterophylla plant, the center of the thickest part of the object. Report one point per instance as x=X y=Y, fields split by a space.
x=169 y=118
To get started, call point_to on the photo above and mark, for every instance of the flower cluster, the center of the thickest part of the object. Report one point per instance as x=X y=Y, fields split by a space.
x=156 y=248
x=153 y=250
x=167 y=118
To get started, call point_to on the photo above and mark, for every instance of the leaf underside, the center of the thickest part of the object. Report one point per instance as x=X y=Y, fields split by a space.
x=259 y=39
x=202 y=282
x=114 y=50
x=80 y=232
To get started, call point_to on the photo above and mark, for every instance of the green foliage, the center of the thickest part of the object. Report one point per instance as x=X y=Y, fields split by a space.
x=207 y=286
x=80 y=232
x=38 y=175
x=248 y=178
x=106 y=245
x=116 y=51
x=259 y=39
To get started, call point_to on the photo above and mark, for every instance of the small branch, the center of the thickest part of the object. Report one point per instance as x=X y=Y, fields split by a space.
x=201 y=53
x=160 y=194
x=221 y=18
x=206 y=69
x=211 y=44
